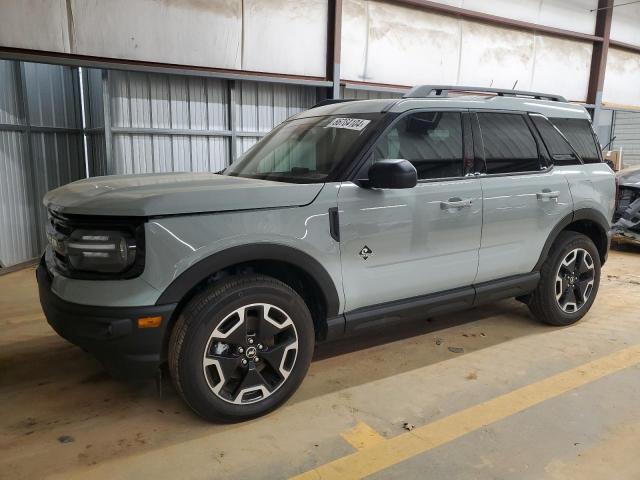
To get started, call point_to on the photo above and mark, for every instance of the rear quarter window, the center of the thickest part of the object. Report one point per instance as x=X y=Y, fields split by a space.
x=578 y=132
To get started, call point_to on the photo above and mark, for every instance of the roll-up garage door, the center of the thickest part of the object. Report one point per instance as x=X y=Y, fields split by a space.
x=626 y=129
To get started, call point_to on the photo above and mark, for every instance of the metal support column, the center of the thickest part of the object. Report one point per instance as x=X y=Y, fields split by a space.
x=233 y=101
x=334 y=45
x=25 y=117
x=599 y=57
x=106 y=107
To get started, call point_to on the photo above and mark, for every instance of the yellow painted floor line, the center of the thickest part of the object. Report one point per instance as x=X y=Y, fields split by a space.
x=362 y=436
x=397 y=449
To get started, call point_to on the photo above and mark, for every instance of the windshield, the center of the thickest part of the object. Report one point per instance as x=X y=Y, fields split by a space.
x=305 y=150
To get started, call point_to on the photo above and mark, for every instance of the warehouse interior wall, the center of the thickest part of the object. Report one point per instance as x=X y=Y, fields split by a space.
x=387 y=43
x=134 y=122
x=189 y=85
x=40 y=149
x=277 y=36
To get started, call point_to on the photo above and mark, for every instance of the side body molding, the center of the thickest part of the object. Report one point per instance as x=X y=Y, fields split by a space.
x=246 y=253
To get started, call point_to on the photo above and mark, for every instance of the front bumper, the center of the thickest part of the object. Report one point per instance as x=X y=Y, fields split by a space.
x=110 y=334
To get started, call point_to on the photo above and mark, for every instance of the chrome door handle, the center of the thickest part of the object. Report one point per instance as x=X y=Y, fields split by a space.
x=547 y=195
x=456 y=203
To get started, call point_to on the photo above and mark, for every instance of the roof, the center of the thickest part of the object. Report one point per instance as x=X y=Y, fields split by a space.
x=549 y=108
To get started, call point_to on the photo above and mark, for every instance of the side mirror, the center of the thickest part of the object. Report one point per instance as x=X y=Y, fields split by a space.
x=392 y=174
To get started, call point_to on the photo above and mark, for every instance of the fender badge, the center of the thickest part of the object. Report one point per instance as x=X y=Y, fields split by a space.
x=365 y=252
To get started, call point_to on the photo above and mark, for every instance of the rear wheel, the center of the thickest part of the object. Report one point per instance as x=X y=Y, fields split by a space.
x=569 y=280
x=241 y=348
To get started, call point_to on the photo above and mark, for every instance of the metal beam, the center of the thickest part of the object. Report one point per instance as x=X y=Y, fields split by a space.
x=496 y=20
x=334 y=46
x=599 y=56
x=153 y=67
x=182 y=132
x=624 y=46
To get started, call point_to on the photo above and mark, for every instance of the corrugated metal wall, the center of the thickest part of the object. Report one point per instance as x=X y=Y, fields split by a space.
x=135 y=122
x=262 y=106
x=165 y=123
x=40 y=149
x=626 y=129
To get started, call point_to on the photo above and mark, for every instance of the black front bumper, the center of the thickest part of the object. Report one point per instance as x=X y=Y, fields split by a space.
x=110 y=334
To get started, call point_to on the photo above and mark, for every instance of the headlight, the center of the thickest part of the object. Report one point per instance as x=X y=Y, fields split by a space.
x=105 y=251
x=96 y=248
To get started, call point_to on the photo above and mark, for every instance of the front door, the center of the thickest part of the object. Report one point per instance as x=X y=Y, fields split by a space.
x=401 y=243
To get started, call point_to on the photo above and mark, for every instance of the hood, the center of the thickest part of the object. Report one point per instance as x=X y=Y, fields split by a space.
x=629 y=177
x=175 y=193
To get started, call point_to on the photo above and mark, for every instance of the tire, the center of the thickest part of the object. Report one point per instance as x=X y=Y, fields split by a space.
x=560 y=278
x=241 y=348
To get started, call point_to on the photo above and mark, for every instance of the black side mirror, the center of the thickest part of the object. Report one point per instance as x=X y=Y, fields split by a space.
x=392 y=174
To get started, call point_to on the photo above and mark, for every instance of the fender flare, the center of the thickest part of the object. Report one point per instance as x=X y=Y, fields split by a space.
x=581 y=214
x=206 y=267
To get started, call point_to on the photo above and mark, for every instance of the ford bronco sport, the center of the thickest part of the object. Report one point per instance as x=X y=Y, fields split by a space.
x=347 y=216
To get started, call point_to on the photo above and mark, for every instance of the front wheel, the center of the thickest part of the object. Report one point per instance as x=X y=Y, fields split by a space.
x=569 y=280
x=241 y=348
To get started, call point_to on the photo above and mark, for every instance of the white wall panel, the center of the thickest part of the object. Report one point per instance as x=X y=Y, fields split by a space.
x=622 y=78
x=355 y=31
x=572 y=15
x=403 y=46
x=562 y=67
x=185 y=32
x=387 y=43
x=34 y=24
x=625 y=24
x=495 y=57
x=285 y=36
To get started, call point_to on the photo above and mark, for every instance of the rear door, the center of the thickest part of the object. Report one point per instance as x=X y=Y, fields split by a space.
x=402 y=243
x=523 y=196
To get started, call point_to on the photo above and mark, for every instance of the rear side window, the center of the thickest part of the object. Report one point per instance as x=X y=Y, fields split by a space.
x=509 y=146
x=431 y=141
x=578 y=132
x=559 y=149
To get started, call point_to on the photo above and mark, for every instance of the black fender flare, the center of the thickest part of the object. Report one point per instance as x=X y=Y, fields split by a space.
x=206 y=267
x=581 y=214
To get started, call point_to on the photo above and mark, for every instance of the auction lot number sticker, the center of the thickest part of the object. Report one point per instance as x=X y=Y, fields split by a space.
x=348 y=123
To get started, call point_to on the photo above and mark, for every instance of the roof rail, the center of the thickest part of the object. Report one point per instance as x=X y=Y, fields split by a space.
x=421 y=91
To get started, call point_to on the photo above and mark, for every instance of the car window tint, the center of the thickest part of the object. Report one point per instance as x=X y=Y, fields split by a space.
x=578 y=132
x=509 y=145
x=431 y=141
x=558 y=147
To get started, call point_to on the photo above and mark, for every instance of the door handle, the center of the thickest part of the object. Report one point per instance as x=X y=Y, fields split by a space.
x=547 y=195
x=456 y=202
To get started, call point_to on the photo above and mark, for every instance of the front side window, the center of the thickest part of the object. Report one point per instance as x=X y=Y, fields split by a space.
x=578 y=132
x=509 y=146
x=431 y=141
x=305 y=150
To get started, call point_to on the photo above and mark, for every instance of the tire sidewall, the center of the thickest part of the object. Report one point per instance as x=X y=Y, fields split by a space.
x=206 y=318
x=566 y=245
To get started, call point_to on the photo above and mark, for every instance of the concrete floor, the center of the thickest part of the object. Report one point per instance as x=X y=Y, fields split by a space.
x=521 y=401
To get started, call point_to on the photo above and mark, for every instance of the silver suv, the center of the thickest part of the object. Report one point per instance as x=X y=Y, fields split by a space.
x=350 y=215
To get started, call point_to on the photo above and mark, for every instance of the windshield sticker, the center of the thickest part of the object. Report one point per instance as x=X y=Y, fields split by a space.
x=348 y=123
